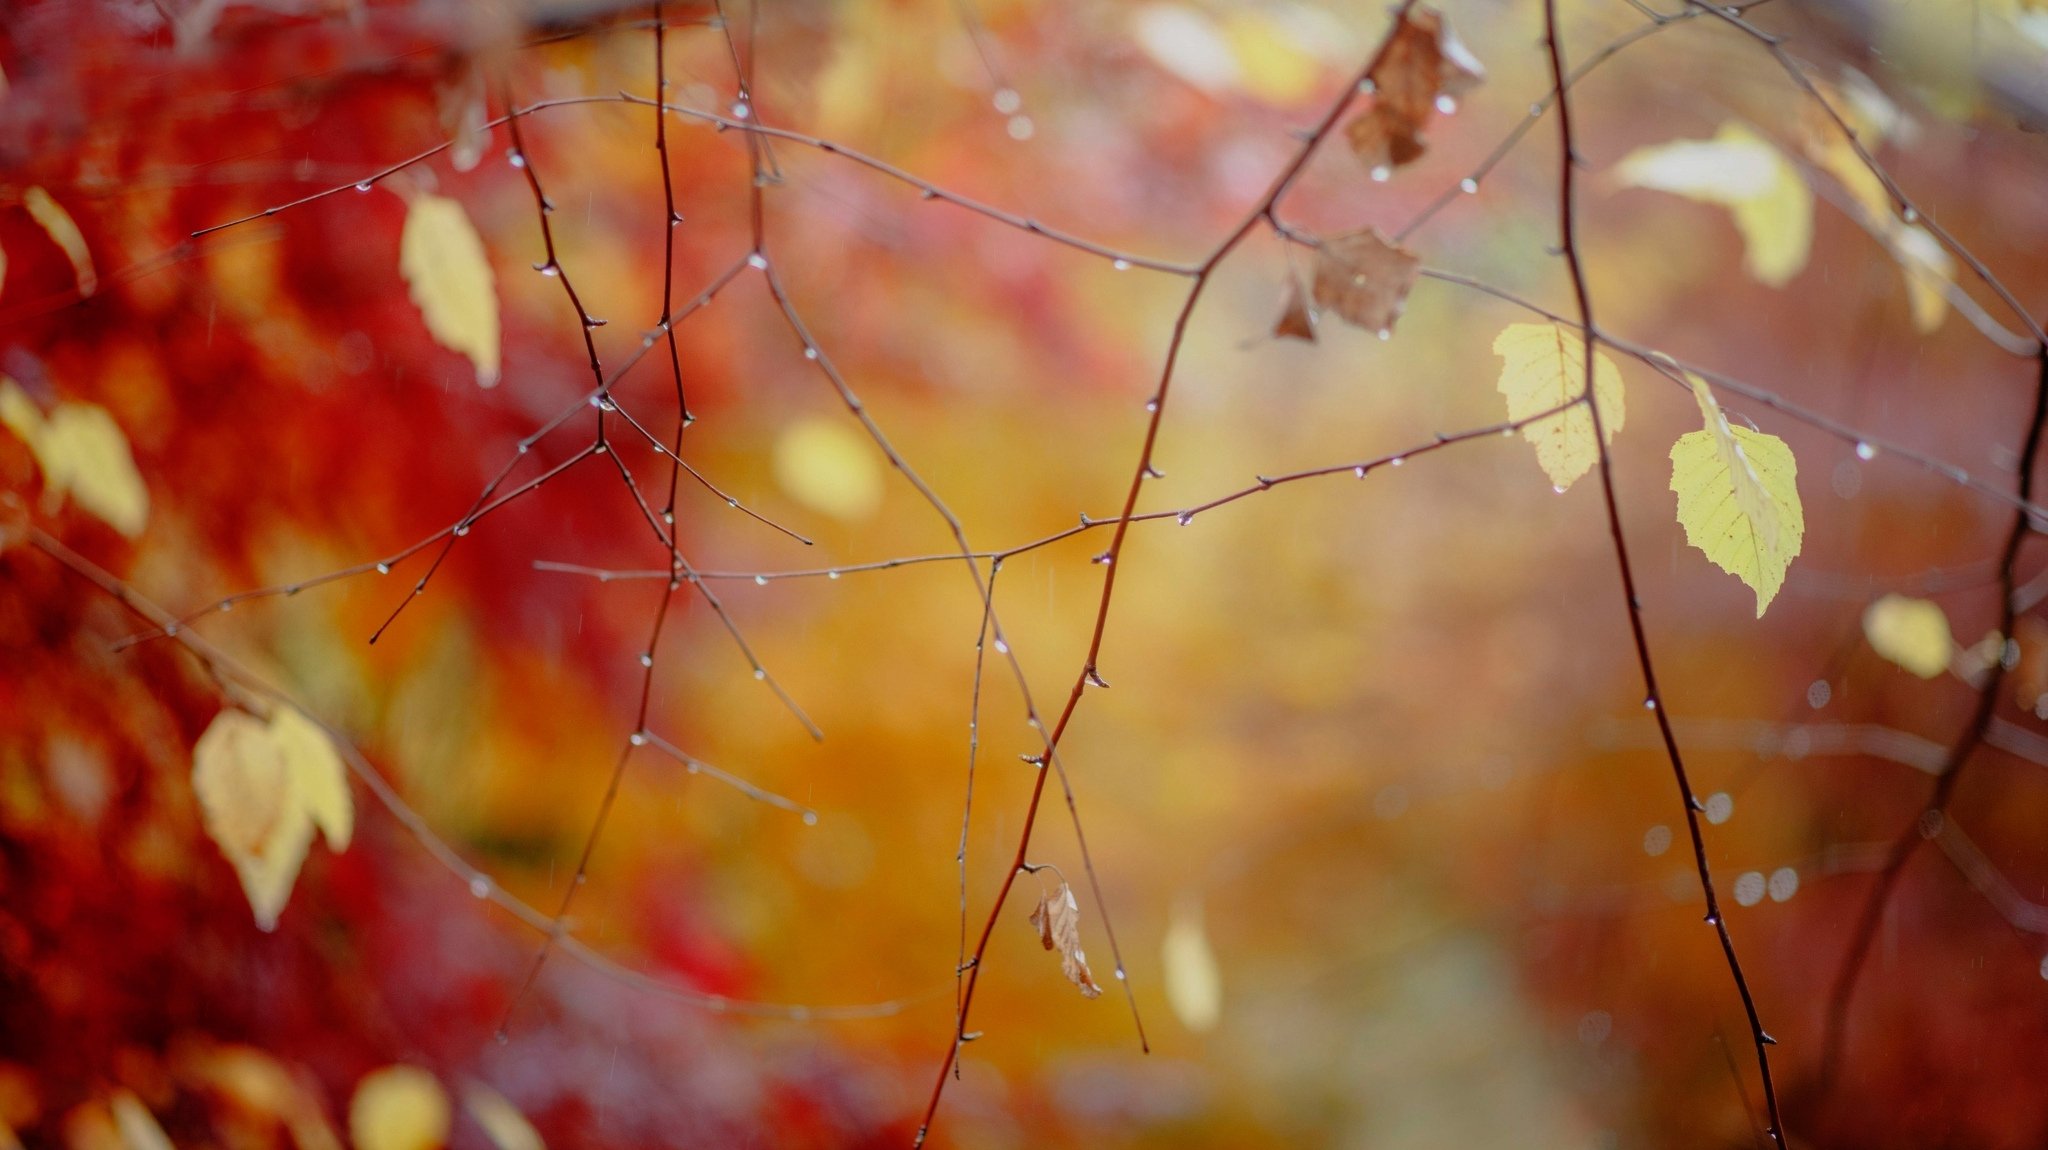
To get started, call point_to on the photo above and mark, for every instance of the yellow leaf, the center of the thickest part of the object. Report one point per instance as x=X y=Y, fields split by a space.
x=1194 y=986
x=1545 y=368
x=63 y=231
x=1273 y=65
x=138 y=1127
x=507 y=1128
x=1910 y=632
x=1929 y=269
x=81 y=452
x=1738 y=499
x=443 y=262
x=262 y=788
x=830 y=468
x=1739 y=170
x=398 y=1108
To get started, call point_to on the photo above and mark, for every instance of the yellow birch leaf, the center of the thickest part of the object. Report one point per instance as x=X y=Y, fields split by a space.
x=1738 y=499
x=506 y=1127
x=829 y=468
x=444 y=265
x=19 y=414
x=1194 y=985
x=63 y=231
x=317 y=775
x=398 y=1108
x=1545 y=368
x=1742 y=172
x=262 y=788
x=1929 y=269
x=81 y=452
x=1910 y=632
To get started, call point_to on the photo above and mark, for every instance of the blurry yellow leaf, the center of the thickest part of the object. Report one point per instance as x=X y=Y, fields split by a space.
x=1739 y=170
x=1194 y=986
x=1546 y=368
x=1057 y=918
x=81 y=452
x=830 y=468
x=443 y=262
x=507 y=1128
x=63 y=231
x=398 y=1108
x=1364 y=279
x=138 y=1127
x=262 y=788
x=1272 y=64
x=1188 y=44
x=1738 y=498
x=1929 y=269
x=1910 y=632
x=254 y=1083
x=1838 y=158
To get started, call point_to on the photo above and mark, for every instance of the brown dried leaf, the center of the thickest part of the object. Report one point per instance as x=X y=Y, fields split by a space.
x=1295 y=322
x=1058 y=921
x=1364 y=278
x=1425 y=65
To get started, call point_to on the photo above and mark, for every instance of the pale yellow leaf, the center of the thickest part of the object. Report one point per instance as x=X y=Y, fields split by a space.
x=1545 y=368
x=1273 y=64
x=442 y=259
x=829 y=468
x=63 y=231
x=506 y=1127
x=1739 y=170
x=1929 y=269
x=1913 y=633
x=138 y=1127
x=1838 y=158
x=1708 y=473
x=83 y=452
x=317 y=775
x=1194 y=985
x=19 y=414
x=398 y=1108
x=1057 y=919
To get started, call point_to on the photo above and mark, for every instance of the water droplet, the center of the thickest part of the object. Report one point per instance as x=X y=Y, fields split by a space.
x=461 y=529
x=1656 y=840
x=760 y=580
x=637 y=738
x=1152 y=405
x=760 y=673
x=1910 y=214
x=1649 y=704
x=740 y=110
x=480 y=887
x=1007 y=100
x=1557 y=488
x=1720 y=807
x=1094 y=679
x=1120 y=265
x=516 y=159
x=1360 y=471
x=363 y=187
x=548 y=270
x=383 y=568
x=1184 y=518
x=1749 y=888
x=810 y=353
x=731 y=502
x=1469 y=186
x=1120 y=975
x=810 y=818
x=757 y=261
x=1381 y=173
x=1866 y=452
x=1784 y=884
x=1536 y=109
x=1021 y=127
x=1002 y=648
x=1396 y=461
x=1818 y=693
x=831 y=574
x=1105 y=559
x=647 y=658
x=1448 y=105
x=1385 y=334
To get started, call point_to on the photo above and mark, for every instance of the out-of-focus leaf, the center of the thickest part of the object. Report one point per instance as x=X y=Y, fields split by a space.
x=1194 y=984
x=1913 y=633
x=138 y=1127
x=1738 y=498
x=398 y=1108
x=63 y=231
x=506 y=1127
x=463 y=115
x=1424 y=71
x=1057 y=918
x=81 y=453
x=1545 y=367
x=1364 y=278
x=1739 y=170
x=262 y=788
x=1929 y=270
x=442 y=259
x=830 y=468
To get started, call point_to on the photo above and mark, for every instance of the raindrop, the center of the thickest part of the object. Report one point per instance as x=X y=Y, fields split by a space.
x=760 y=580
x=1749 y=888
x=480 y=887
x=1396 y=461
x=383 y=568
x=810 y=353
x=1385 y=334
x=1359 y=471
x=1911 y=213
x=1656 y=840
x=1104 y=559
x=1557 y=488
x=1865 y=452
x=516 y=159
x=760 y=672
x=461 y=529
x=740 y=110
x=810 y=818
x=647 y=658
x=1720 y=805
x=637 y=738
x=1152 y=405
x=548 y=270
x=731 y=502
x=1536 y=109
x=1184 y=518
x=1818 y=693
x=1007 y=100
x=831 y=574
x=1784 y=884
x=1446 y=104
x=1381 y=173
x=1120 y=265
x=1469 y=186
x=363 y=187
x=757 y=261
x=1021 y=127
x=1002 y=648
x=1120 y=975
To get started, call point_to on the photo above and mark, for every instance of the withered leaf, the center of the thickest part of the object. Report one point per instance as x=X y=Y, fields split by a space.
x=1364 y=278
x=1295 y=321
x=1057 y=919
x=1424 y=70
